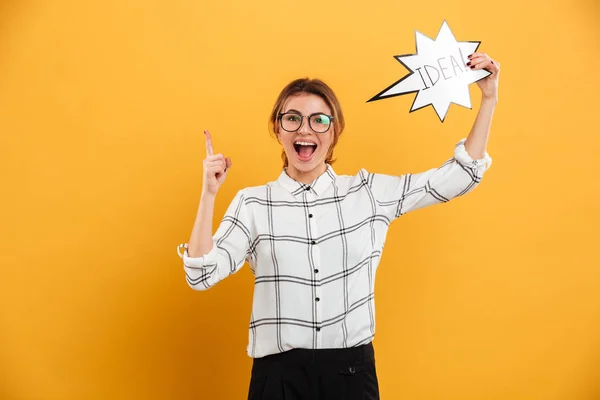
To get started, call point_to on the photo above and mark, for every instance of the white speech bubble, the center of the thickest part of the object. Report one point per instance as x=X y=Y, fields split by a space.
x=438 y=73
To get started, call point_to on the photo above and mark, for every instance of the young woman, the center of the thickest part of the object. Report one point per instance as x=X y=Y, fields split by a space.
x=313 y=240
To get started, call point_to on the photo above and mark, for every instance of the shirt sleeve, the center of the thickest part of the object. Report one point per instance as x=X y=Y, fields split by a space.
x=231 y=244
x=397 y=195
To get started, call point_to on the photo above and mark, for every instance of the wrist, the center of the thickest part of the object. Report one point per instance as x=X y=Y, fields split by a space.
x=489 y=100
x=207 y=196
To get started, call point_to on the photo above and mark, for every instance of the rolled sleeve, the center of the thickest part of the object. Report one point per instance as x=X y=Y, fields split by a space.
x=205 y=261
x=461 y=155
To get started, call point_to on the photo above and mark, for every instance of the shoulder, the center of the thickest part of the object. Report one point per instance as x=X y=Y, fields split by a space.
x=259 y=191
x=361 y=174
x=253 y=191
x=361 y=178
x=374 y=181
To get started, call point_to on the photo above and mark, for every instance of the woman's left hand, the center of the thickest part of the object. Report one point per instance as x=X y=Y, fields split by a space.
x=489 y=84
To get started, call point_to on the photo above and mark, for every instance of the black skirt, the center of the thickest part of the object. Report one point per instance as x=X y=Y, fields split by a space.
x=324 y=374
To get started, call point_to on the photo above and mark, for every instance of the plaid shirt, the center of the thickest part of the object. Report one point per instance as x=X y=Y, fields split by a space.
x=314 y=249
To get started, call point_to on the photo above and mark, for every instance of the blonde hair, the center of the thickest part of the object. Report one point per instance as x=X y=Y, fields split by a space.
x=316 y=87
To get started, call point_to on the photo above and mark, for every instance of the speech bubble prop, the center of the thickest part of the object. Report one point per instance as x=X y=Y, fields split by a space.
x=439 y=74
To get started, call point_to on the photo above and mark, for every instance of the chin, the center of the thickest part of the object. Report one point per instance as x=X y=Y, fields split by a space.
x=306 y=166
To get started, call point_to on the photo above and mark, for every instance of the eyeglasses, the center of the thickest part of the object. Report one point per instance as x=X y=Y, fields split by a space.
x=292 y=121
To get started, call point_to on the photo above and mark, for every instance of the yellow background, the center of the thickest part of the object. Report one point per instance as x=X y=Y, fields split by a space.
x=493 y=296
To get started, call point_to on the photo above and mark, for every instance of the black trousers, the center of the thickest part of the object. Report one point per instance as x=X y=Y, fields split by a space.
x=324 y=374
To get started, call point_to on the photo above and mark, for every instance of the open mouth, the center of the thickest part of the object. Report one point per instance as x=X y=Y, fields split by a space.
x=305 y=149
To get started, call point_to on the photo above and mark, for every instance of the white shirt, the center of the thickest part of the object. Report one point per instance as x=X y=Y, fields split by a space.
x=314 y=249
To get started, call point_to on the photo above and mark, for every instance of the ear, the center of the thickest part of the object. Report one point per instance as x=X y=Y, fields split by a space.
x=277 y=134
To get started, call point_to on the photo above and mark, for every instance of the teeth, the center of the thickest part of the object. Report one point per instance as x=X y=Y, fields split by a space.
x=306 y=143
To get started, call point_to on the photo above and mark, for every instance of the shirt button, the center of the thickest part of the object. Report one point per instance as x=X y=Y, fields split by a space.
x=317 y=299
x=318 y=329
x=316 y=271
x=310 y=215
x=307 y=189
x=313 y=242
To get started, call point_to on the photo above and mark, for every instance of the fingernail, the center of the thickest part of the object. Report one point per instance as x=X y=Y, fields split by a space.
x=492 y=62
x=470 y=56
x=469 y=63
x=472 y=66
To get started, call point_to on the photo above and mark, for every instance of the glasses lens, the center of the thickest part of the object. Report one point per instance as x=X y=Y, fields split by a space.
x=291 y=122
x=320 y=122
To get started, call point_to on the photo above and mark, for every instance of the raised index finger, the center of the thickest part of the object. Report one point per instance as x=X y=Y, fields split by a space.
x=209 y=146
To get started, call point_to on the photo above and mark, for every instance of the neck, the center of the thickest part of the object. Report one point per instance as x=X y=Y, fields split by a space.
x=306 y=177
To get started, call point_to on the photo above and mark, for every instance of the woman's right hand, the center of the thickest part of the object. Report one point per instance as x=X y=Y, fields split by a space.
x=215 y=168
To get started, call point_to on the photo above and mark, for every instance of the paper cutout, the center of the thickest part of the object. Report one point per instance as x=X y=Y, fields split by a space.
x=439 y=74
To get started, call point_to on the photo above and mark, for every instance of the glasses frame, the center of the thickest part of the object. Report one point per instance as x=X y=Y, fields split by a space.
x=302 y=121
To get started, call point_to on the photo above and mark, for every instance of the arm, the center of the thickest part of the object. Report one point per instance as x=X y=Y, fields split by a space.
x=397 y=195
x=209 y=259
x=476 y=142
x=214 y=174
x=201 y=240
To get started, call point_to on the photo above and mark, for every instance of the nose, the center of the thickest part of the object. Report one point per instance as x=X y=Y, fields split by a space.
x=305 y=127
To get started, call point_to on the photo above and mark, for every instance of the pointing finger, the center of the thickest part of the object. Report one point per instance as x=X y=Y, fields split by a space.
x=209 y=146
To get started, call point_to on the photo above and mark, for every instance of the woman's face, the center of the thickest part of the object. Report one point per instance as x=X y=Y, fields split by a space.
x=306 y=150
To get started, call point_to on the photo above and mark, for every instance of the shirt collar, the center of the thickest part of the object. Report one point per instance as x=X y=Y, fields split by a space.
x=318 y=186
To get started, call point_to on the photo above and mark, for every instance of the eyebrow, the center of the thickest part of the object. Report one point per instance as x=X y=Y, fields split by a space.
x=298 y=112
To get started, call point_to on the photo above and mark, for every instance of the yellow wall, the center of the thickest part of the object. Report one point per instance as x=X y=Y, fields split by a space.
x=494 y=296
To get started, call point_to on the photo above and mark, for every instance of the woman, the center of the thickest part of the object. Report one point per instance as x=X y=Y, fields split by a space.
x=313 y=240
